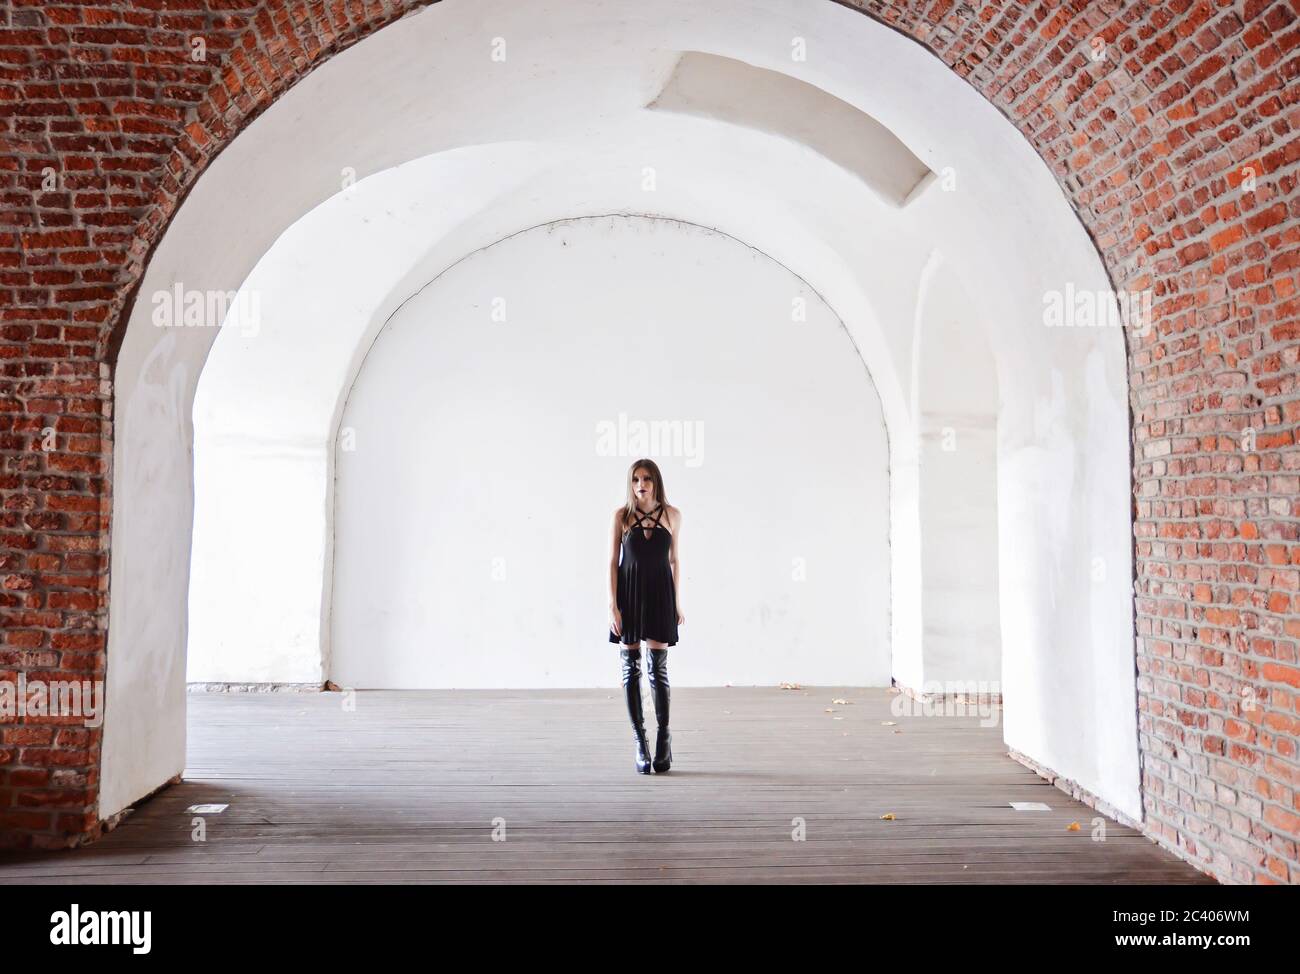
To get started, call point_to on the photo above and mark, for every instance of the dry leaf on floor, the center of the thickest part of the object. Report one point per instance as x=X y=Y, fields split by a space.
x=888 y=815
x=1073 y=827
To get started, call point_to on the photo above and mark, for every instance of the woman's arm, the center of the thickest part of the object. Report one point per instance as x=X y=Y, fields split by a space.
x=615 y=543
x=674 y=559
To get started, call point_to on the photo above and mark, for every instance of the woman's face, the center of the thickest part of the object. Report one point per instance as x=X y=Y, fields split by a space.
x=643 y=487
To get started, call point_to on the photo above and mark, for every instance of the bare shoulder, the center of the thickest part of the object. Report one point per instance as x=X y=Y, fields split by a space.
x=674 y=515
x=619 y=513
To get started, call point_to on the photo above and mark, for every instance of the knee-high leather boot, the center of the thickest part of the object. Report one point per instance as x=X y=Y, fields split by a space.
x=658 y=673
x=632 y=690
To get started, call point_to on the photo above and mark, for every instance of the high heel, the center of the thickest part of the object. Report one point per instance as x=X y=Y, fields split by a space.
x=657 y=669
x=632 y=690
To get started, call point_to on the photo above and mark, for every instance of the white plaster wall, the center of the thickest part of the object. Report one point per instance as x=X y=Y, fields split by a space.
x=1063 y=429
x=258 y=575
x=472 y=517
x=956 y=400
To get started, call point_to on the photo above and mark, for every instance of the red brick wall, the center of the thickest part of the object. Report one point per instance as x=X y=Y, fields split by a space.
x=1177 y=147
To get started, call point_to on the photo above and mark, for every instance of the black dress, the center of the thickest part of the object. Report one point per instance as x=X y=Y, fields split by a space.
x=647 y=597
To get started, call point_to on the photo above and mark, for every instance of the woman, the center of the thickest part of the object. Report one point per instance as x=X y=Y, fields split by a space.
x=644 y=585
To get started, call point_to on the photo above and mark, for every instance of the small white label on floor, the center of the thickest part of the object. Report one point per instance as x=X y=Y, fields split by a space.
x=207 y=809
x=1030 y=807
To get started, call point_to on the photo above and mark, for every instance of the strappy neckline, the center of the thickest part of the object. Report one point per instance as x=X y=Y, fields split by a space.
x=639 y=522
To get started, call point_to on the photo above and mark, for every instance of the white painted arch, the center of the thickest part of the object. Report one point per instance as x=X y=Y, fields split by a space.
x=457 y=151
x=481 y=452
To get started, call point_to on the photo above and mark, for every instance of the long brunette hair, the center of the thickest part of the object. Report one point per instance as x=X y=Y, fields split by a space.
x=656 y=478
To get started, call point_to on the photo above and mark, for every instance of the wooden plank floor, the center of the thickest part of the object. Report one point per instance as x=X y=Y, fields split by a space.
x=406 y=788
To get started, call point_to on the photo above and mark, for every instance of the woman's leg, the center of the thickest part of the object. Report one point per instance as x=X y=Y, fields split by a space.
x=657 y=668
x=631 y=658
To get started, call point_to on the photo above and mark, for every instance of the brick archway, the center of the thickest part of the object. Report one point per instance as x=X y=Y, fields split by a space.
x=1175 y=148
